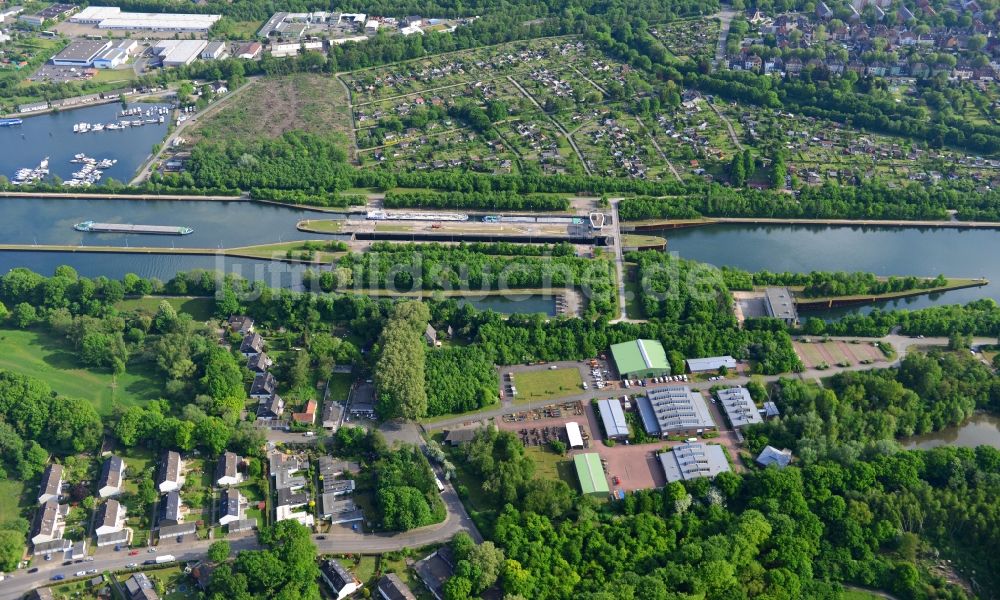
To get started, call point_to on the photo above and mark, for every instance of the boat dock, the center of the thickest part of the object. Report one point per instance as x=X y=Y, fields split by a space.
x=92 y=227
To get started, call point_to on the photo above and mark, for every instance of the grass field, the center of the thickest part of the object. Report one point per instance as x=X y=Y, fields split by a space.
x=49 y=358
x=340 y=387
x=200 y=309
x=858 y=595
x=547 y=384
x=10 y=499
x=549 y=465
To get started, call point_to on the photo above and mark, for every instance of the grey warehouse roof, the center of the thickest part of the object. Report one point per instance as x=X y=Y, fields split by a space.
x=674 y=408
x=613 y=418
x=690 y=461
x=739 y=406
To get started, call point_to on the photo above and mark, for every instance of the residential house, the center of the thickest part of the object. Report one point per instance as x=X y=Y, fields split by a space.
x=109 y=525
x=431 y=336
x=227 y=470
x=112 y=477
x=259 y=363
x=391 y=587
x=263 y=387
x=272 y=409
x=252 y=344
x=232 y=507
x=110 y=517
x=241 y=324
x=171 y=472
x=139 y=587
x=342 y=582
x=333 y=412
x=171 y=509
x=436 y=570
x=49 y=524
x=307 y=416
x=51 y=486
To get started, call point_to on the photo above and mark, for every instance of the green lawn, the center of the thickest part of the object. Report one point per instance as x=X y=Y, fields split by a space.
x=340 y=387
x=42 y=355
x=858 y=595
x=200 y=309
x=547 y=384
x=11 y=491
x=549 y=465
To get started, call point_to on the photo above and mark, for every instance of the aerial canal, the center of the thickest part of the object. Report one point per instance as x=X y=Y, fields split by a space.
x=883 y=251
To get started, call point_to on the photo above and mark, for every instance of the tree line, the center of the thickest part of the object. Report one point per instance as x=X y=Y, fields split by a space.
x=503 y=200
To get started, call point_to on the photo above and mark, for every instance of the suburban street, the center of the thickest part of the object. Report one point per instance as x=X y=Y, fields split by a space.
x=22 y=582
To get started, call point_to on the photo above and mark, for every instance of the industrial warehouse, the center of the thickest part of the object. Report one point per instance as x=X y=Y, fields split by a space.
x=739 y=407
x=110 y=17
x=674 y=410
x=640 y=359
x=691 y=461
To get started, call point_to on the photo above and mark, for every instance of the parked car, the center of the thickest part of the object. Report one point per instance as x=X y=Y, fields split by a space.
x=33 y=570
x=58 y=577
x=133 y=553
x=131 y=565
x=80 y=573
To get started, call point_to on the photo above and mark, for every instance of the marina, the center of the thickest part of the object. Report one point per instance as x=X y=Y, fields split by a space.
x=51 y=135
x=92 y=227
x=151 y=116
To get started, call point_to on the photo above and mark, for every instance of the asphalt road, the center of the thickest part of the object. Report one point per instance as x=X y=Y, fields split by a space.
x=23 y=582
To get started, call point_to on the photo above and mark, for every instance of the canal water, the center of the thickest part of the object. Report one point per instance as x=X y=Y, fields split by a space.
x=980 y=430
x=215 y=224
x=24 y=146
x=880 y=250
x=273 y=273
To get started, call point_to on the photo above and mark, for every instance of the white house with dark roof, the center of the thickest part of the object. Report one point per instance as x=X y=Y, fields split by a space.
x=252 y=344
x=110 y=517
x=263 y=387
x=171 y=473
x=342 y=583
x=112 y=477
x=227 y=470
x=51 y=486
x=232 y=507
x=49 y=523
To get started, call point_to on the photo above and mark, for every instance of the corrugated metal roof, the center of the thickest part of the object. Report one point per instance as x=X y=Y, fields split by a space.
x=613 y=418
x=639 y=355
x=591 y=474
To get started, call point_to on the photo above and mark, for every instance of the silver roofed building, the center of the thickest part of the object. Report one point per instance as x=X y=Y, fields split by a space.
x=739 y=406
x=674 y=409
x=691 y=461
x=613 y=417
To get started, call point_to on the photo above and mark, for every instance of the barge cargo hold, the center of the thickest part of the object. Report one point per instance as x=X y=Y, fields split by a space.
x=381 y=215
x=92 y=227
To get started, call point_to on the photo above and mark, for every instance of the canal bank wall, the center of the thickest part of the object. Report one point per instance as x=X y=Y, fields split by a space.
x=667 y=224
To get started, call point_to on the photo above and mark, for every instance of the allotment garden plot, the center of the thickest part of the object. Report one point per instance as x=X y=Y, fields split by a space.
x=550 y=106
x=689 y=38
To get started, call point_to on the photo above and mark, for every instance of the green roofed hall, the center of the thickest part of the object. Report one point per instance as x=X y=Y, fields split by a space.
x=593 y=481
x=640 y=359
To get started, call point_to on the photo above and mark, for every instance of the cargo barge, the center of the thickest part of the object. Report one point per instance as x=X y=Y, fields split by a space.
x=93 y=227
